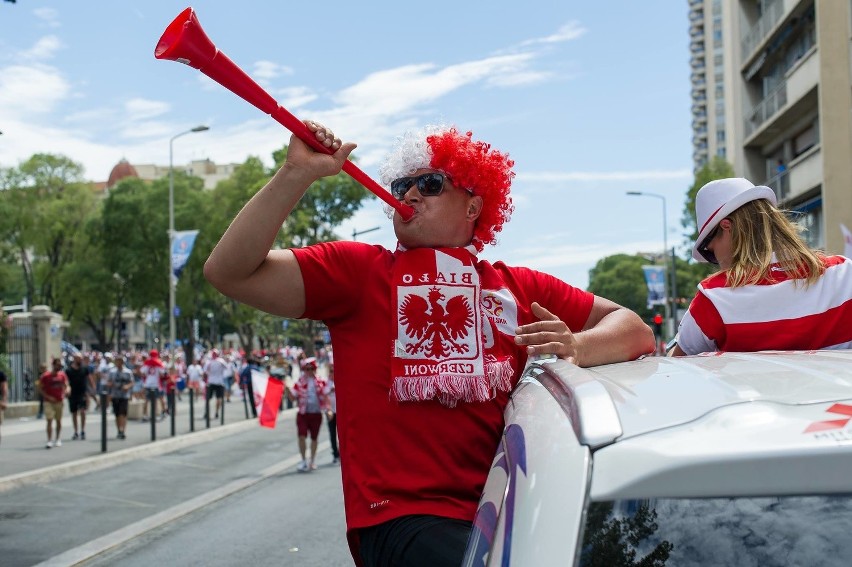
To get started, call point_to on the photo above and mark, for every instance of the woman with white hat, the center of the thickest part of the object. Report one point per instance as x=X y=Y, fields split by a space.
x=773 y=292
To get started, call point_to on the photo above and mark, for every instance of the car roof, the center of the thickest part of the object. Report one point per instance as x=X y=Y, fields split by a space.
x=720 y=424
x=627 y=399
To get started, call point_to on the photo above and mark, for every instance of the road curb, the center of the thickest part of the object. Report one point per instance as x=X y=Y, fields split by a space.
x=107 y=460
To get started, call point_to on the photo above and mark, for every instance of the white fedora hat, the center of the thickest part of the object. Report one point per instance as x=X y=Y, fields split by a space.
x=718 y=199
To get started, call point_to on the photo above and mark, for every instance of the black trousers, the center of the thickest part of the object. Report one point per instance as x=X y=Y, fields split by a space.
x=332 y=435
x=415 y=541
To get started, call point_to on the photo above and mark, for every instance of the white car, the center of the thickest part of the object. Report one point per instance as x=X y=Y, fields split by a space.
x=724 y=459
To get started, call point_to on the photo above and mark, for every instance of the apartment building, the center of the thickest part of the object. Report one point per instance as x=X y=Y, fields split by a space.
x=772 y=94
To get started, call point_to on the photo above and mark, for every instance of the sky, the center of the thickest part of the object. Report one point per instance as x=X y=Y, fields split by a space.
x=590 y=99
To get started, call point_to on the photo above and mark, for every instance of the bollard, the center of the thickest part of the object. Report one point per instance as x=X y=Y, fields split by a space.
x=172 y=410
x=207 y=406
x=103 y=422
x=192 y=409
x=222 y=414
x=152 y=399
x=245 y=401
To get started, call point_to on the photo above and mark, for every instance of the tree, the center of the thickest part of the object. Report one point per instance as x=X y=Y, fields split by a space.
x=620 y=278
x=716 y=168
x=44 y=202
x=327 y=203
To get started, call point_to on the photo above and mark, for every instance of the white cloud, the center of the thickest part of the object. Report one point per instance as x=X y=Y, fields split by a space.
x=604 y=176
x=294 y=97
x=267 y=70
x=143 y=109
x=404 y=88
x=43 y=49
x=570 y=31
x=26 y=91
x=48 y=16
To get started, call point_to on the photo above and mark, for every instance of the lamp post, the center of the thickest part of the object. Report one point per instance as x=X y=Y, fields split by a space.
x=670 y=306
x=356 y=233
x=172 y=282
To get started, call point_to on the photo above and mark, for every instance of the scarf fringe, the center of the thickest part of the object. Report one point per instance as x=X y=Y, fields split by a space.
x=449 y=389
x=446 y=388
x=499 y=373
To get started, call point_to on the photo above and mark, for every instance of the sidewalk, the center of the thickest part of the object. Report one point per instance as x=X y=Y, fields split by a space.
x=25 y=460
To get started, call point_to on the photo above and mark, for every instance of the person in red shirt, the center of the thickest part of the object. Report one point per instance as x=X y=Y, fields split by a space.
x=309 y=392
x=54 y=387
x=428 y=339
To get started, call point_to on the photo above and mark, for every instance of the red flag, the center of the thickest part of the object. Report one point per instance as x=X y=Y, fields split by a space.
x=267 y=397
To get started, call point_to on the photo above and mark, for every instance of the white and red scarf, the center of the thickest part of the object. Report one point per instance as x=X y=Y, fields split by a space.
x=438 y=350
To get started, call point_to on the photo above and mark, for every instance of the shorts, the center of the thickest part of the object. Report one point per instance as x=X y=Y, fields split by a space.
x=53 y=410
x=153 y=393
x=308 y=422
x=217 y=390
x=119 y=406
x=77 y=403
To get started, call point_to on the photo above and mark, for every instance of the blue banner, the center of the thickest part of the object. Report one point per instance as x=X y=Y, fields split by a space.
x=655 y=278
x=181 y=249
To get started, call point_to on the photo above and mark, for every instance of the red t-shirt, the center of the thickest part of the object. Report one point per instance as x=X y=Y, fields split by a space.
x=54 y=384
x=411 y=457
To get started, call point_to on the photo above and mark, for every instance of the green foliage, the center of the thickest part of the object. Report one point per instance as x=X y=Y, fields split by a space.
x=716 y=168
x=620 y=278
x=42 y=206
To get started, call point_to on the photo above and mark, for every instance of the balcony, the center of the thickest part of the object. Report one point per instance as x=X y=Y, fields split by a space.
x=765 y=109
x=758 y=32
x=793 y=97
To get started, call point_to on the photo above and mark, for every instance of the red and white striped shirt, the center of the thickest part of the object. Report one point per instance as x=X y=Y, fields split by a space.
x=776 y=314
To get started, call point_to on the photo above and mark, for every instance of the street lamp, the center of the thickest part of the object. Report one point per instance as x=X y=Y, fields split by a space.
x=670 y=306
x=356 y=233
x=172 y=282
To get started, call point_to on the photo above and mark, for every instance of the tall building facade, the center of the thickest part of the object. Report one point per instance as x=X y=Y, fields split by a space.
x=772 y=94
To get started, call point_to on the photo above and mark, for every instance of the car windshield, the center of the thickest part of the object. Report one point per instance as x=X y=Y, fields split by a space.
x=764 y=532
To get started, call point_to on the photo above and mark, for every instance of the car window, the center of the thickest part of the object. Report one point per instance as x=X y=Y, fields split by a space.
x=742 y=532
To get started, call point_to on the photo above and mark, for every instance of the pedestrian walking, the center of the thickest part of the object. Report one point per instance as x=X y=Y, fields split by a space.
x=153 y=370
x=215 y=376
x=78 y=399
x=120 y=385
x=54 y=388
x=331 y=414
x=246 y=383
x=309 y=393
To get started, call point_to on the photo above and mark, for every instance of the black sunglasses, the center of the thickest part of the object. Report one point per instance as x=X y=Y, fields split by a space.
x=706 y=252
x=428 y=184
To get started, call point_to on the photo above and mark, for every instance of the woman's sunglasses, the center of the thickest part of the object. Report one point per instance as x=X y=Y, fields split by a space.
x=428 y=184
x=704 y=250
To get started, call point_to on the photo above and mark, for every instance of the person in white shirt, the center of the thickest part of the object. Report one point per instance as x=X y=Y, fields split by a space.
x=214 y=373
x=195 y=376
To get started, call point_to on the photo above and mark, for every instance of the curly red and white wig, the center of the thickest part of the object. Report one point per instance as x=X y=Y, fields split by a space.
x=470 y=164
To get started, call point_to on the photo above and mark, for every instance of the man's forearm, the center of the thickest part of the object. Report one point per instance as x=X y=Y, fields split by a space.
x=618 y=336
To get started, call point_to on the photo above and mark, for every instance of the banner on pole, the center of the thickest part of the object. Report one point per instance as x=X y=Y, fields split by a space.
x=267 y=397
x=181 y=249
x=655 y=279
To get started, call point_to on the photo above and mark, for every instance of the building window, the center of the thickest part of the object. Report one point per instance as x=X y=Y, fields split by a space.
x=804 y=140
x=809 y=216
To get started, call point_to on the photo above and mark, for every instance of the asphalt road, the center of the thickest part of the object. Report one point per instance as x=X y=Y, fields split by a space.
x=223 y=501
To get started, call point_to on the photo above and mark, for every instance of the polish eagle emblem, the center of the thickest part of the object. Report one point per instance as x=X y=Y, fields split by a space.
x=438 y=329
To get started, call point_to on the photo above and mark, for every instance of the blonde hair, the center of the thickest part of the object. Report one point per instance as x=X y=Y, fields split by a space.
x=758 y=231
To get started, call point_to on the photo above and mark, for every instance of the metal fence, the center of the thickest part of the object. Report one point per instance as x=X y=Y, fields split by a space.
x=22 y=350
